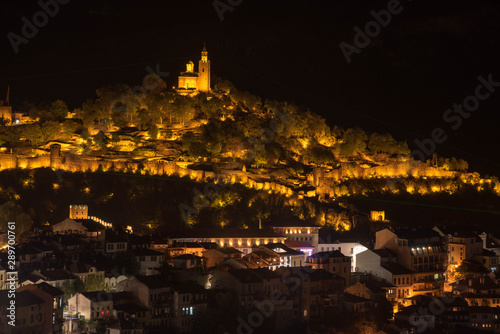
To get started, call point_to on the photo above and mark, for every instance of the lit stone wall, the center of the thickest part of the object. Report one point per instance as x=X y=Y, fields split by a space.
x=325 y=181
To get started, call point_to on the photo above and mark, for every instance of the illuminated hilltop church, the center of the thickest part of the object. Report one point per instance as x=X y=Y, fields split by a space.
x=193 y=82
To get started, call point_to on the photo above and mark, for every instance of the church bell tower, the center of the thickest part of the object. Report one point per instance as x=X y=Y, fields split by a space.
x=204 y=71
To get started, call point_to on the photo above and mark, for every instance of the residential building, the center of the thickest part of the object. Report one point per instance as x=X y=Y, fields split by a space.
x=33 y=310
x=189 y=300
x=52 y=310
x=334 y=262
x=92 y=305
x=241 y=239
x=463 y=246
x=295 y=229
x=149 y=261
x=84 y=271
x=422 y=252
x=347 y=247
x=187 y=261
x=213 y=257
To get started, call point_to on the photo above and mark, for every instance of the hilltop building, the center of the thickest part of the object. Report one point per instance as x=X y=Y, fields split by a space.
x=295 y=229
x=191 y=82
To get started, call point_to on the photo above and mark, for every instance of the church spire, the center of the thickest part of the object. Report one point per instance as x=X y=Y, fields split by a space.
x=204 y=54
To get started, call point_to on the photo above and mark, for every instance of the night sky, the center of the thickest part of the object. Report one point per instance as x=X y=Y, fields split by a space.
x=425 y=60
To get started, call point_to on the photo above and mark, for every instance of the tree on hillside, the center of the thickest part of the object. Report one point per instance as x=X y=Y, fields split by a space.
x=321 y=155
x=212 y=108
x=114 y=104
x=71 y=288
x=126 y=263
x=55 y=111
x=50 y=130
x=153 y=131
x=385 y=143
x=222 y=86
x=10 y=136
x=12 y=212
x=247 y=99
x=183 y=110
x=353 y=141
x=58 y=110
x=101 y=140
x=94 y=283
x=33 y=133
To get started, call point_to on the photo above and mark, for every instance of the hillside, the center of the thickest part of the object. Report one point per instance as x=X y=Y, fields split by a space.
x=256 y=158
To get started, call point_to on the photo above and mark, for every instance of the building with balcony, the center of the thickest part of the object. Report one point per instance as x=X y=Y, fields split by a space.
x=421 y=251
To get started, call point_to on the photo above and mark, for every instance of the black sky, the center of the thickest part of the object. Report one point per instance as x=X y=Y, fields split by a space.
x=427 y=59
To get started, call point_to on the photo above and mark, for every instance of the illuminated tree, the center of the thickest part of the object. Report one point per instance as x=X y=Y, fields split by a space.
x=183 y=110
x=33 y=133
x=212 y=108
x=353 y=141
x=153 y=131
x=58 y=110
x=94 y=283
x=71 y=288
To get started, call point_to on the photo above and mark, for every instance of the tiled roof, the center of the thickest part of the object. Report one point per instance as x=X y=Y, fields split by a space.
x=384 y=252
x=187 y=245
x=284 y=249
x=395 y=268
x=245 y=275
x=230 y=250
x=153 y=282
x=146 y=252
x=350 y=298
x=297 y=244
x=90 y=225
x=98 y=296
x=187 y=257
x=327 y=255
x=421 y=233
x=50 y=289
x=223 y=233
x=57 y=275
x=79 y=267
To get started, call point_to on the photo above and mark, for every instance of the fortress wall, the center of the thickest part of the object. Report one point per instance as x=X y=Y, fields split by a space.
x=325 y=182
x=8 y=161
x=397 y=169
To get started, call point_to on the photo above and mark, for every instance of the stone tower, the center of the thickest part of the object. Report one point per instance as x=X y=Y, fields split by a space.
x=55 y=155
x=204 y=71
x=78 y=212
